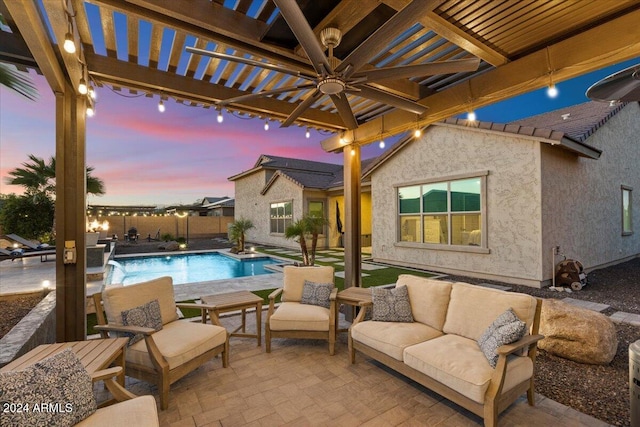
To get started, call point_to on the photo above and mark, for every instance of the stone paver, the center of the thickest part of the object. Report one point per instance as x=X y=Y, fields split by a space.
x=366 y=266
x=327 y=259
x=341 y=274
x=492 y=286
x=622 y=317
x=586 y=304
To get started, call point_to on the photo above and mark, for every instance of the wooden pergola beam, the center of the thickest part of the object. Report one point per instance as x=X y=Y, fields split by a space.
x=126 y=74
x=607 y=44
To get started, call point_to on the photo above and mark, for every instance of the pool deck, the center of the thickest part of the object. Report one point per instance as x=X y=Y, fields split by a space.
x=24 y=275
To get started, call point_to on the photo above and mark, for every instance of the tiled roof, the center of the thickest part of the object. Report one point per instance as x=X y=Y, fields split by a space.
x=577 y=122
x=286 y=163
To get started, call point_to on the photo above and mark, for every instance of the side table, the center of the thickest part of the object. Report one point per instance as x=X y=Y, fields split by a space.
x=352 y=296
x=239 y=300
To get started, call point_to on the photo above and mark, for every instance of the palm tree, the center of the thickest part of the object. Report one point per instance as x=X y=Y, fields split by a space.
x=38 y=177
x=302 y=229
x=17 y=81
x=237 y=230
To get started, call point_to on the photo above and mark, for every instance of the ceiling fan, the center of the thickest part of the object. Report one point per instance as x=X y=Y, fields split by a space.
x=337 y=78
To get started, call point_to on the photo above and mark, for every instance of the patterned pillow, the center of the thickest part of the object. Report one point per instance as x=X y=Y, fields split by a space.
x=391 y=305
x=316 y=294
x=507 y=328
x=57 y=391
x=147 y=315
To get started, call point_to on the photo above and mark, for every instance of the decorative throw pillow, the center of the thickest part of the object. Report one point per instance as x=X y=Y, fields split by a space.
x=507 y=328
x=391 y=305
x=57 y=391
x=316 y=293
x=147 y=316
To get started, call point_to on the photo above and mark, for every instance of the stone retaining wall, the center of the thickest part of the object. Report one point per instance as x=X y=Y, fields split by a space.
x=37 y=327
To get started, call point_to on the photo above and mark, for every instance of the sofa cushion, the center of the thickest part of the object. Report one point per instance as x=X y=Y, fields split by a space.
x=316 y=294
x=120 y=298
x=138 y=412
x=293 y=316
x=507 y=328
x=147 y=316
x=179 y=342
x=294 y=277
x=458 y=363
x=59 y=385
x=391 y=338
x=391 y=305
x=429 y=299
x=473 y=308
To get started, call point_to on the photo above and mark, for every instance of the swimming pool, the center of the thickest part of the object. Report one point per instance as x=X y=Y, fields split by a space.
x=185 y=268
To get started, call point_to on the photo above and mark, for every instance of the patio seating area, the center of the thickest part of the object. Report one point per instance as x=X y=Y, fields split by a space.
x=298 y=383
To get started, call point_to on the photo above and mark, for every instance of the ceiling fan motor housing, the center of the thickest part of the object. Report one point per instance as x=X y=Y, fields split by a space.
x=330 y=37
x=331 y=86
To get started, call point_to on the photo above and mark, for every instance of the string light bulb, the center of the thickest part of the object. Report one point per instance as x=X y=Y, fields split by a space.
x=90 y=111
x=220 y=116
x=307 y=134
x=471 y=116
x=69 y=44
x=552 y=91
x=92 y=92
x=417 y=133
x=266 y=125
x=161 y=107
x=82 y=87
x=381 y=144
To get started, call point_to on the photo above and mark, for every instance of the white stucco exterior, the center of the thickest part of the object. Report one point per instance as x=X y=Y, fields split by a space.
x=537 y=196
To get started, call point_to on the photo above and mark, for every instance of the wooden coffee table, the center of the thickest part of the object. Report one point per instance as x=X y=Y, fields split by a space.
x=239 y=300
x=94 y=355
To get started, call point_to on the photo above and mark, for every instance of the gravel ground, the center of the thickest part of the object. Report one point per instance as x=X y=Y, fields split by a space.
x=599 y=391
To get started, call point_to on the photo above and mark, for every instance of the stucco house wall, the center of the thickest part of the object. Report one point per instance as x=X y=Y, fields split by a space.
x=582 y=198
x=513 y=208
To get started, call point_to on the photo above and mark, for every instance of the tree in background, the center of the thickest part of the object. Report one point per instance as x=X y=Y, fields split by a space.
x=237 y=231
x=29 y=217
x=307 y=227
x=18 y=81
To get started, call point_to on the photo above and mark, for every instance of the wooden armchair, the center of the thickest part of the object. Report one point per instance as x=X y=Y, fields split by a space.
x=292 y=319
x=129 y=409
x=165 y=355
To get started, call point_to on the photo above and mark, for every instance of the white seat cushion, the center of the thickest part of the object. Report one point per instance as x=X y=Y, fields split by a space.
x=139 y=412
x=179 y=342
x=293 y=316
x=391 y=338
x=458 y=363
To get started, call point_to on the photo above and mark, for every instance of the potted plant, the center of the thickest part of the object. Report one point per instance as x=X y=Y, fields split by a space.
x=307 y=227
x=237 y=230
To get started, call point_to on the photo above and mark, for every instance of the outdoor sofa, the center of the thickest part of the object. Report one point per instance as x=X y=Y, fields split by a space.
x=439 y=348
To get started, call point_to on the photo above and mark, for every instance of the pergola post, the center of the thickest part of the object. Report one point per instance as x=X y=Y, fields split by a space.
x=352 y=208
x=70 y=214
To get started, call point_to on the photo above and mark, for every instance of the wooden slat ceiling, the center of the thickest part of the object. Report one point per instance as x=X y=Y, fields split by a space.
x=140 y=45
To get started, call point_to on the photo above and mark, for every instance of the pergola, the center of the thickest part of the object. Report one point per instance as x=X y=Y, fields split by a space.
x=140 y=46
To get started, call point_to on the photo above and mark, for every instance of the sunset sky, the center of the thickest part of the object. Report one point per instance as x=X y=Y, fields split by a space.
x=181 y=155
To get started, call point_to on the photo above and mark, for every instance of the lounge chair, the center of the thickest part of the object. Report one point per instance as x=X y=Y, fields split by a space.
x=29 y=244
x=20 y=253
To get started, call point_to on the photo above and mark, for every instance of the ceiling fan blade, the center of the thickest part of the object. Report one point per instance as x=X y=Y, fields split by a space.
x=623 y=86
x=249 y=96
x=388 y=31
x=300 y=108
x=247 y=61
x=420 y=70
x=303 y=32
x=344 y=109
x=393 y=100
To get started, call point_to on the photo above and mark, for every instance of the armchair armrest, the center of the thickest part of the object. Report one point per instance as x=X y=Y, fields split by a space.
x=119 y=393
x=129 y=329
x=334 y=294
x=272 y=300
x=364 y=307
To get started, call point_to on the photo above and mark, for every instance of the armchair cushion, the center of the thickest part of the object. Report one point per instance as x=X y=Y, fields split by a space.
x=118 y=299
x=507 y=328
x=60 y=382
x=179 y=342
x=294 y=278
x=138 y=412
x=391 y=305
x=316 y=293
x=147 y=315
x=293 y=316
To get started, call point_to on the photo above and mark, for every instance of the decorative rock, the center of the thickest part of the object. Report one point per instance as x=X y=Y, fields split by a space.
x=576 y=333
x=169 y=246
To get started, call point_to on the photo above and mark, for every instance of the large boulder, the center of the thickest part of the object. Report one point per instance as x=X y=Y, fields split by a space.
x=576 y=333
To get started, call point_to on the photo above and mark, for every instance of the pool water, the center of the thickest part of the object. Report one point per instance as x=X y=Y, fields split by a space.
x=186 y=268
